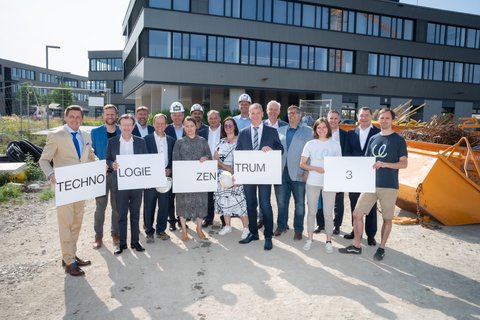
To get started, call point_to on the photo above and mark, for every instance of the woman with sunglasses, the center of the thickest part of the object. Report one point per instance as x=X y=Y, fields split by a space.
x=229 y=198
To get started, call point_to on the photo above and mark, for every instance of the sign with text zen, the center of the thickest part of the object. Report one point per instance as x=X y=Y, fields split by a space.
x=258 y=167
x=80 y=182
x=194 y=176
x=349 y=174
x=140 y=171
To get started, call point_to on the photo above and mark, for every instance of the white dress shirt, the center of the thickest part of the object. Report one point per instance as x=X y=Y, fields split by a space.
x=162 y=146
x=213 y=138
x=364 y=135
x=126 y=147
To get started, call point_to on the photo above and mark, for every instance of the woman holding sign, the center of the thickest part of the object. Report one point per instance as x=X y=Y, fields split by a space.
x=191 y=205
x=312 y=160
x=229 y=198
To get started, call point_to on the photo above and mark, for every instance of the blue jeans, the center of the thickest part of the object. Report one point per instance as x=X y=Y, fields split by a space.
x=150 y=199
x=283 y=193
x=264 y=192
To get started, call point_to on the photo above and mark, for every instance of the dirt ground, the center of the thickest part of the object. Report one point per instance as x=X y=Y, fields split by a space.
x=426 y=274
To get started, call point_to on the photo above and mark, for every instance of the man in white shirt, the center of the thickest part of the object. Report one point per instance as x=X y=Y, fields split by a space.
x=141 y=128
x=273 y=111
x=213 y=137
x=158 y=142
x=243 y=119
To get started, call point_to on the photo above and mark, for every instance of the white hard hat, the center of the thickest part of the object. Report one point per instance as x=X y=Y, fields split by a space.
x=244 y=97
x=176 y=107
x=166 y=188
x=196 y=107
x=226 y=179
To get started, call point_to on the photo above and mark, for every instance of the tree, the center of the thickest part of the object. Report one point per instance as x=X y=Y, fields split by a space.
x=62 y=95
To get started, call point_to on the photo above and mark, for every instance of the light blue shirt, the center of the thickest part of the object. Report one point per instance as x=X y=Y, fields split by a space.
x=241 y=122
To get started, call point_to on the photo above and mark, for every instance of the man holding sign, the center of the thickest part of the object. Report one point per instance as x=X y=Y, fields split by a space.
x=68 y=146
x=126 y=144
x=257 y=136
x=390 y=151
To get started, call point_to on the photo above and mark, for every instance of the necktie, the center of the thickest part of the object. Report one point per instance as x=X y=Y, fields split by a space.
x=75 y=142
x=255 y=138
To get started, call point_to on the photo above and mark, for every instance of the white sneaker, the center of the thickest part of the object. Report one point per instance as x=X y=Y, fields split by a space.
x=225 y=230
x=329 y=247
x=245 y=233
x=307 y=245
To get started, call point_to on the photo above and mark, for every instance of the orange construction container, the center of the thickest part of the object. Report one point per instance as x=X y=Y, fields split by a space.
x=444 y=181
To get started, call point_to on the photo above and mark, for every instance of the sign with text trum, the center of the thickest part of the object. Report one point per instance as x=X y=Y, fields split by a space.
x=257 y=167
x=349 y=174
x=80 y=182
x=140 y=171
x=194 y=176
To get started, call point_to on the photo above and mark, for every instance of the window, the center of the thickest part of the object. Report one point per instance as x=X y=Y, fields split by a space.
x=293 y=56
x=106 y=64
x=159 y=44
x=263 y=53
x=198 y=47
x=117 y=86
x=216 y=7
x=249 y=9
x=280 y=11
x=232 y=51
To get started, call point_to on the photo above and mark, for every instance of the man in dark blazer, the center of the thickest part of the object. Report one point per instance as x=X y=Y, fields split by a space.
x=126 y=144
x=258 y=136
x=141 y=128
x=338 y=135
x=175 y=130
x=158 y=142
x=356 y=144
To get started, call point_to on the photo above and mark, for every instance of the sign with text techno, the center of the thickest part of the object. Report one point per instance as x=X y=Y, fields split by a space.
x=257 y=167
x=349 y=174
x=80 y=182
x=194 y=176
x=140 y=171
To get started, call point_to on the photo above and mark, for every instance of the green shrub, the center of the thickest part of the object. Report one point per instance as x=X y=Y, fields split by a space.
x=33 y=170
x=47 y=194
x=4 y=178
x=9 y=192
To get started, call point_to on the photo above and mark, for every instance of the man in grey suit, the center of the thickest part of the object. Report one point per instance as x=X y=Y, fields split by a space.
x=126 y=144
x=293 y=138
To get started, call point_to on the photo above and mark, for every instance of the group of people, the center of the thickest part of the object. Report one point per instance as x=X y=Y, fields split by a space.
x=188 y=138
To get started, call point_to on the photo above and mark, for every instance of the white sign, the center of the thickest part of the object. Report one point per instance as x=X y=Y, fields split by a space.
x=140 y=171
x=80 y=182
x=194 y=176
x=349 y=174
x=258 y=167
x=95 y=101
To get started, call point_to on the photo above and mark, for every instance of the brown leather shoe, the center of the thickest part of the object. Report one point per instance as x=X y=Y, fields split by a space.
x=74 y=270
x=80 y=262
x=297 y=236
x=116 y=239
x=279 y=232
x=98 y=242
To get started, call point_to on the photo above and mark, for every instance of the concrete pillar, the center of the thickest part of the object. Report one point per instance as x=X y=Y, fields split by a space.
x=217 y=99
x=432 y=107
x=336 y=101
x=169 y=94
x=156 y=98
x=369 y=101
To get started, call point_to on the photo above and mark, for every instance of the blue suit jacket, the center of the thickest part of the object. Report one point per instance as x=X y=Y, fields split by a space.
x=170 y=131
x=343 y=140
x=269 y=138
x=152 y=147
x=99 y=140
x=113 y=149
x=203 y=131
x=135 y=131
x=352 y=142
x=291 y=157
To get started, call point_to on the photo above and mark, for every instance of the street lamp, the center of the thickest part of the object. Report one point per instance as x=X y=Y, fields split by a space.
x=46 y=56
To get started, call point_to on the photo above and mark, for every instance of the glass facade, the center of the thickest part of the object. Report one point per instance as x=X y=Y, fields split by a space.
x=19 y=73
x=453 y=36
x=303 y=15
x=117 y=86
x=97 y=85
x=106 y=64
x=423 y=69
x=197 y=47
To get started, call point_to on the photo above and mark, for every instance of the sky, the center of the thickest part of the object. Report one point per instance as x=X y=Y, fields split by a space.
x=79 y=26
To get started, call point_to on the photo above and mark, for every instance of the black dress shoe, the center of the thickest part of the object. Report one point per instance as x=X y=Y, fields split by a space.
x=172 y=227
x=137 y=246
x=336 y=230
x=371 y=241
x=268 y=244
x=119 y=249
x=318 y=229
x=350 y=235
x=251 y=237
x=206 y=223
x=260 y=224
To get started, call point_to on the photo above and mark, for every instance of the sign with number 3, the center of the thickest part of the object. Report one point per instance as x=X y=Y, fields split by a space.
x=349 y=174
